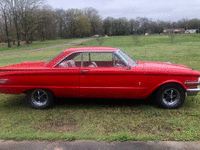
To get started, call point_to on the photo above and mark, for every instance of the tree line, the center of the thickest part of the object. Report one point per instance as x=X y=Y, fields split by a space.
x=31 y=20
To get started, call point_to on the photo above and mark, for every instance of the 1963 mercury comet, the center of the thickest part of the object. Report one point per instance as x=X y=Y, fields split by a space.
x=99 y=72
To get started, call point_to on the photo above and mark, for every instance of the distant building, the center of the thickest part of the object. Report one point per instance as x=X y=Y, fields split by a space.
x=177 y=30
x=96 y=35
x=191 y=31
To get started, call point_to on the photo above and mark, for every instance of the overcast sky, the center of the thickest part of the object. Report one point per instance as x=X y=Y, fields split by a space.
x=165 y=10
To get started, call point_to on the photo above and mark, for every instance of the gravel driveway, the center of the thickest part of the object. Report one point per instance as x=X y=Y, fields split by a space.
x=44 y=48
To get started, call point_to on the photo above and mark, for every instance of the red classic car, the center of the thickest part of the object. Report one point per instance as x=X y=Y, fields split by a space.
x=99 y=72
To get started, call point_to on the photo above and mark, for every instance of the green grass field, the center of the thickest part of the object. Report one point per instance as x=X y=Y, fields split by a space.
x=34 y=45
x=107 y=119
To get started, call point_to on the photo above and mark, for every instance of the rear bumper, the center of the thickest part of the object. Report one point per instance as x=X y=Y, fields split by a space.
x=193 y=92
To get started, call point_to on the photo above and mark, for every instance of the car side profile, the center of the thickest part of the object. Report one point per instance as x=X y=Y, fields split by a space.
x=99 y=72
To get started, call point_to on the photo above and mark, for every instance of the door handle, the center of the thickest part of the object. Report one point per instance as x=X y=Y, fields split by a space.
x=84 y=71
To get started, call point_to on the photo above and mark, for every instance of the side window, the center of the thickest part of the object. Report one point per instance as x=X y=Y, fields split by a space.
x=86 y=59
x=78 y=57
x=92 y=59
x=73 y=60
x=101 y=56
x=100 y=59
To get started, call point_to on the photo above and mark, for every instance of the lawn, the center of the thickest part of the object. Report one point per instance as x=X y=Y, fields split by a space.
x=34 y=45
x=108 y=119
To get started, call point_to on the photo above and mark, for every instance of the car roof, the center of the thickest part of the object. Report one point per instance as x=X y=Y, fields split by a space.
x=80 y=49
x=90 y=49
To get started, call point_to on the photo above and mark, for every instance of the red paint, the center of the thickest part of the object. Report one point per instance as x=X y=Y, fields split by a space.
x=100 y=82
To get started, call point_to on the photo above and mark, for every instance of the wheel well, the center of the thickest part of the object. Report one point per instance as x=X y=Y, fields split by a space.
x=25 y=92
x=153 y=94
x=173 y=83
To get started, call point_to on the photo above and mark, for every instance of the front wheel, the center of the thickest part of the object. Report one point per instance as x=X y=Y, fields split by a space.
x=40 y=98
x=170 y=96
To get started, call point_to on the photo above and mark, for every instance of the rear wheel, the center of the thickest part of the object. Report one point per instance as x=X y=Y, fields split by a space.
x=40 y=98
x=170 y=96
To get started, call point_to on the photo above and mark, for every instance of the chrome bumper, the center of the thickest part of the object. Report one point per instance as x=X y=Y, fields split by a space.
x=192 y=92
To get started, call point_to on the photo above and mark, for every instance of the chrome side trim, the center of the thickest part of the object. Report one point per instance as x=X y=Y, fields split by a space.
x=191 y=82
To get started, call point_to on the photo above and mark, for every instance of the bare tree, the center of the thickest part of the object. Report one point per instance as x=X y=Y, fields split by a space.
x=100 y=40
x=71 y=21
x=5 y=15
x=83 y=26
x=2 y=30
x=107 y=25
x=48 y=23
x=29 y=16
x=61 y=21
x=120 y=26
x=144 y=24
x=14 y=10
x=136 y=39
x=12 y=30
x=132 y=26
x=171 y=37
x=95 y=20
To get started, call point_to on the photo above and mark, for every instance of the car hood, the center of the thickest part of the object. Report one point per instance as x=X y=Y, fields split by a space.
x=167 y=68
x=25 y=65
x=160 y=65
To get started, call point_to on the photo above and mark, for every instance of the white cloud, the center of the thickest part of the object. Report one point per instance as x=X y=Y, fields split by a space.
x=155 y=9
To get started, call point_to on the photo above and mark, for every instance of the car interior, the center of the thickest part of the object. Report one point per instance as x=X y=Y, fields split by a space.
x=91 y=59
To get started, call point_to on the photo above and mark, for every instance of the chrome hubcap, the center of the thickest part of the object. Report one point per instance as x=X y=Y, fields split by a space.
x=39 y=97
x=171 y=96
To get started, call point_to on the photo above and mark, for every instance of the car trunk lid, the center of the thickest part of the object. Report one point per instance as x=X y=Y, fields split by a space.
x=24 y=65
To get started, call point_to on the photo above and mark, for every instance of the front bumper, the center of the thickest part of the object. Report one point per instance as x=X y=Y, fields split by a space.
x=193 y=92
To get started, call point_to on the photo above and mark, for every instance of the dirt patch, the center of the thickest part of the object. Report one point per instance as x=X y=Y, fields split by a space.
x=80 y=44
x=60 y=125
x=45 y=48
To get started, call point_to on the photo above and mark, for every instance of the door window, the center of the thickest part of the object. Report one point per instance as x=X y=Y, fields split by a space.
x=92 y=59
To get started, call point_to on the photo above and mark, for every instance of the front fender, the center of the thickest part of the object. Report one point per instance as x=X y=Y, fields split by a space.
x=163 y=83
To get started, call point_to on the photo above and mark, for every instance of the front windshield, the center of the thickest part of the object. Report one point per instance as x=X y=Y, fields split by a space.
x=127 y=59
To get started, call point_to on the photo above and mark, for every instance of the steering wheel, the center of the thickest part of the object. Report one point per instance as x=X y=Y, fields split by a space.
x=118 y=65
x=63 y=64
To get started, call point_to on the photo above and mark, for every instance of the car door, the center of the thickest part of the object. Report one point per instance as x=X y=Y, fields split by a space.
x=65 y=81
x=108 y=82
x=66 y=76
